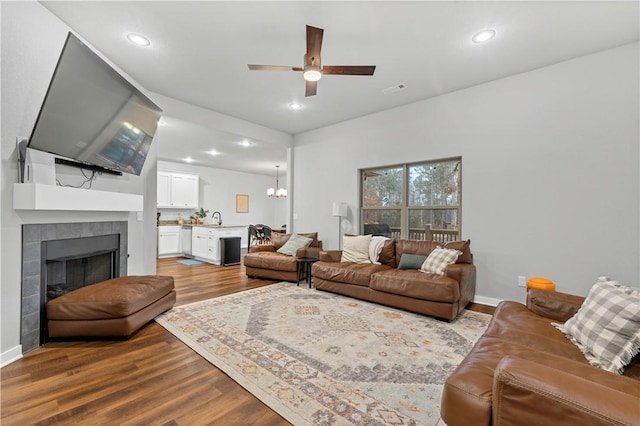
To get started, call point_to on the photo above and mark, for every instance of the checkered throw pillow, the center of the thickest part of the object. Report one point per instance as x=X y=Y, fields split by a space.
x=439 y=259
x=606 y=328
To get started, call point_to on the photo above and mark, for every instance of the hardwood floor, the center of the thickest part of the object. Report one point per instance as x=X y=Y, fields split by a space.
x=150 y=379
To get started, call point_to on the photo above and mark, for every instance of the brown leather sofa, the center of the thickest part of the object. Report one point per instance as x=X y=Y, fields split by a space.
x=523 y=371
x=264 y=261
x=438 y=296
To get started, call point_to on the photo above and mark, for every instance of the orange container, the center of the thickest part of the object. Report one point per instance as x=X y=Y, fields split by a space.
x=541 y=283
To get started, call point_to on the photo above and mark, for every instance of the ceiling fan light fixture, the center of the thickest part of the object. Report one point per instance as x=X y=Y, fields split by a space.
x=483 y=36
x=312 y=73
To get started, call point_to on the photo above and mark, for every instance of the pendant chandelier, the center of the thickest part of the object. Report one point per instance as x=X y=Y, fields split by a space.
x=277 y=192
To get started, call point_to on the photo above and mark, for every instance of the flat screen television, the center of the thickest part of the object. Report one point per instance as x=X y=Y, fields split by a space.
x=93 y=115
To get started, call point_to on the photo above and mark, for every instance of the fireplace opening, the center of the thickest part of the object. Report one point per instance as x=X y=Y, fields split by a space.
x=70 y=264
x=72 y=274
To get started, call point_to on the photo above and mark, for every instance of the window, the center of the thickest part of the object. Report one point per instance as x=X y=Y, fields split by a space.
x=416 y=201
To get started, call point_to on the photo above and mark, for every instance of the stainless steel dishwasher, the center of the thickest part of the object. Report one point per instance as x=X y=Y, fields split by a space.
x=185 y=234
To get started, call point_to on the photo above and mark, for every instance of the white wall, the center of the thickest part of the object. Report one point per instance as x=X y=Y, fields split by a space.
x=218 y=189
x=550 y=180
x=28 y=61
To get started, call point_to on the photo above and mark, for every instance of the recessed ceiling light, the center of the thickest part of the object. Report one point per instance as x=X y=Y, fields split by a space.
x=214 y=152
x=188 y=160
x=295 y=105
x=138 y=39
x=483 y=36
x=245 y=143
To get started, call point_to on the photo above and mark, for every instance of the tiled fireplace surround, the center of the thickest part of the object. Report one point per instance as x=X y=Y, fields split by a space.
x=32 y=237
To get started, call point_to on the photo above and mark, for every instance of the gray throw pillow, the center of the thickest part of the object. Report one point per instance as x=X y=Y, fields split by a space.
x=411 y=261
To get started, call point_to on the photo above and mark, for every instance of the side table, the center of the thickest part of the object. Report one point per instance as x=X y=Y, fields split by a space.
x=304 y=269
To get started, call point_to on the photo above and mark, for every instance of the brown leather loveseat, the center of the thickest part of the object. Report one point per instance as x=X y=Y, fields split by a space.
x=439 y=296
x=264 y=261
x=523 y=371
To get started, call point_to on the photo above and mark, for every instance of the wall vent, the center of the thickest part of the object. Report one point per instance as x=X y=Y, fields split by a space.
x=394 y=89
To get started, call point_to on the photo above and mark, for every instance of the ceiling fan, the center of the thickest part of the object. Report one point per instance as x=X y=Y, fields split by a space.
x=313 y=69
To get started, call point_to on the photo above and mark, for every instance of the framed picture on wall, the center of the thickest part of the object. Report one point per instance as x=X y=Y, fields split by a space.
x=242 y=203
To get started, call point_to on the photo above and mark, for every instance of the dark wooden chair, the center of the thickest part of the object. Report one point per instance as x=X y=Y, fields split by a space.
x=254 y=235
x=266 y=234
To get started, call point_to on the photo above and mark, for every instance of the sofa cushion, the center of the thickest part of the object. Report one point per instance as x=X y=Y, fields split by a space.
x=388 y=253
x=349 y=273
x=294 y=243
x=464 y=246
x=607 y=326
x=416 y=284
x=271 y=260
x=439 y=259
x=356 y=248
x=513 y=322
x=422 y=248
x=411 y=261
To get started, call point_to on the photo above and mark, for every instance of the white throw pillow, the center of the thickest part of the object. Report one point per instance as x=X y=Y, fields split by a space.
x=439 y=259
x=375 y=248
x=356 y=248
x=606 y=328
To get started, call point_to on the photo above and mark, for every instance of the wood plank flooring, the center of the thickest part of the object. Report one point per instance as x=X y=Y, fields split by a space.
x=150 y=379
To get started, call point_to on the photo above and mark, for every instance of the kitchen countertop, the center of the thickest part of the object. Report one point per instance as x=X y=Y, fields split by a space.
x=175 y=223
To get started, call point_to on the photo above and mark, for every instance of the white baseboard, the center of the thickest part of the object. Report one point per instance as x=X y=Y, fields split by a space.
x=486 y=300
x=10 y=356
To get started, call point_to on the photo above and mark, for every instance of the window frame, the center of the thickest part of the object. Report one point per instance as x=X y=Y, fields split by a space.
x=405 y=208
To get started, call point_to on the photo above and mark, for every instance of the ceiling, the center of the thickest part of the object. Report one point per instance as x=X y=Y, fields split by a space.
x=200 y=50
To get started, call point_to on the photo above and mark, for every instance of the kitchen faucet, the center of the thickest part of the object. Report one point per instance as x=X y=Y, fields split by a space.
x=219 y=221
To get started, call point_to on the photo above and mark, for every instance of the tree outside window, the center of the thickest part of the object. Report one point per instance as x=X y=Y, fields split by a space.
x=411 y=197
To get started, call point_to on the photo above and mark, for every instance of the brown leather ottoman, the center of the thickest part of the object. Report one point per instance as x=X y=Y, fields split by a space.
x=113 y=308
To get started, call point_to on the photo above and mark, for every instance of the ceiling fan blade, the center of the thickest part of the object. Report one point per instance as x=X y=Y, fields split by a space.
x=314 y=45
x=349 y=69
x=273 y=68
x=310 y=88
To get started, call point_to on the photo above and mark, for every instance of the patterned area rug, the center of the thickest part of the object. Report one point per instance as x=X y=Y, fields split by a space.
x=324 y=359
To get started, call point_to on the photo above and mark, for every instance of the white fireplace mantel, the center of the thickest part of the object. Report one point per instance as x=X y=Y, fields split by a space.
x=34 y=196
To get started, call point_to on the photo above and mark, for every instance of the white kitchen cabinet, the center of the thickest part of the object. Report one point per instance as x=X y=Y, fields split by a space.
x=206 y=241
x=169 y=240
x=198 y=243
x=184 y=191
x=164 y=189
x=178 y=190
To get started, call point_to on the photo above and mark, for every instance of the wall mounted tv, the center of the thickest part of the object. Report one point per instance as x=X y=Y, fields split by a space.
x=93 y=115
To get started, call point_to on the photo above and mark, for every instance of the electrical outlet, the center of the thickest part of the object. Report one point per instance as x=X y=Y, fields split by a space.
x=522 y=281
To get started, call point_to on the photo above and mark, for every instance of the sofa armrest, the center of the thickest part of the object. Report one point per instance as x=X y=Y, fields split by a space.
x=525 y=392
x=554 y=305
x=330 y=255
x=465 y=275
x=308 y=252
x=261 y=247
